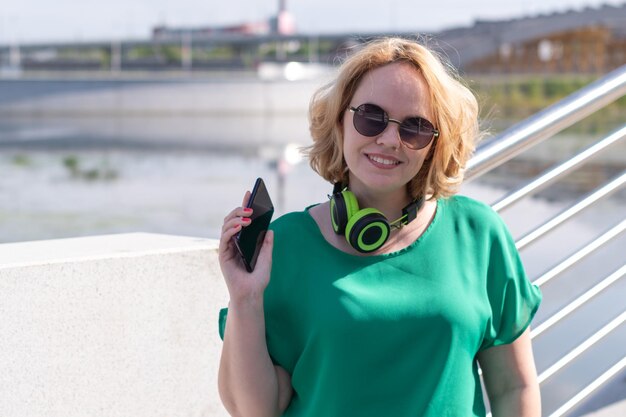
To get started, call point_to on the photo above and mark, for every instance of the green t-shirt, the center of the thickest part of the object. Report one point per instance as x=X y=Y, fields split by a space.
x=394 y=334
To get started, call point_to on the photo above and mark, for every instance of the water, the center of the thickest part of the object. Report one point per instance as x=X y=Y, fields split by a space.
x=114 y=191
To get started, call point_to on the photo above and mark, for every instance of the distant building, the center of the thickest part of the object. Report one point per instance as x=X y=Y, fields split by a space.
x=282 y=23
x=587 y=41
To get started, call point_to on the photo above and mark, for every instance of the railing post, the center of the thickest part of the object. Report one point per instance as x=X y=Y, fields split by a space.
x=116 y=56
x=186 y=49
x=15 y=56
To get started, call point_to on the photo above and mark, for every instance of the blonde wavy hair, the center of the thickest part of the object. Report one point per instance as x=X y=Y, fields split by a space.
x=455 y=113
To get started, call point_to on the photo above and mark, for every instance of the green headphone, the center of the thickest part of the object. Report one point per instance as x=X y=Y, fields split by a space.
x=366 y=230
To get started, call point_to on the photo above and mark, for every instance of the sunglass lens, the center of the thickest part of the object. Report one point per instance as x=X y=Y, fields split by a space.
x=416 y=132
x=369 y=120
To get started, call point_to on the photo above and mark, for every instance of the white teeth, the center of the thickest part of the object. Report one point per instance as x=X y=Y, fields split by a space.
x=383 y=161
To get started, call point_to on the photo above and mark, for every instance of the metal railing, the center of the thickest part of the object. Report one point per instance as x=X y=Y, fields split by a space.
x=527 y=134
x=548 y=122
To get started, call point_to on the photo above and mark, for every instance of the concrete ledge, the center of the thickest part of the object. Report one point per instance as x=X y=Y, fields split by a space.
x=119 y=325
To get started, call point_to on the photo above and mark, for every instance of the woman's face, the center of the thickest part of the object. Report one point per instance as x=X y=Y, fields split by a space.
x=381 y=163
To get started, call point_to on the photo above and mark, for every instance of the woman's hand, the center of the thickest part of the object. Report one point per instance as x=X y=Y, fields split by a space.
x=249 y=383
x=243 y=285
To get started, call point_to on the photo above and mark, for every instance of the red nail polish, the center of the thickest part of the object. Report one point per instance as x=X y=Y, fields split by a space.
x=247 y=210
x=246 y=219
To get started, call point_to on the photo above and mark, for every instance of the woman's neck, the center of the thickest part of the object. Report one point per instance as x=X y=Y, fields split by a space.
x=389 y=203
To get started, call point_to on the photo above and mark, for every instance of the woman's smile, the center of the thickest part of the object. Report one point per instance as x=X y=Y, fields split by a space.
x=382 y=161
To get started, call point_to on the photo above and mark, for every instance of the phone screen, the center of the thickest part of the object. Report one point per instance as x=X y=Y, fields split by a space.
x=250 y=238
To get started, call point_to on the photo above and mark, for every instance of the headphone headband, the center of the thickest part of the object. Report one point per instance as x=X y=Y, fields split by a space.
x=366 y=229
x=409 y=213
x=338 y=187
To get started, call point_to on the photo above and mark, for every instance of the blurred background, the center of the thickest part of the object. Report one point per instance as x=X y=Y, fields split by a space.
x=157 y=116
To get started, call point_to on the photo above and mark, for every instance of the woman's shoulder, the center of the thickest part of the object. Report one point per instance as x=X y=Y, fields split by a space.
x=475 y=222
x=466 y=203
x=467 y=209
x=462 y=204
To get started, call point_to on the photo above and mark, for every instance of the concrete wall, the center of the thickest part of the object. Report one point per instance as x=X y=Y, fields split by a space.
x=118 y=325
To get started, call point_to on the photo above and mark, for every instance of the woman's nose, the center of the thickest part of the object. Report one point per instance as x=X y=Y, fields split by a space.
x=391 y=135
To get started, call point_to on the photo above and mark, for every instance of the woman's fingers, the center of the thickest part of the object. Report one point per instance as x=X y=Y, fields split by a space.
x=246 y=198
x=230 y=229
x=268 y=244
x=230 y=232
x=238 y=212
x=226 y=238
x=234 y=222
x=240 y=215
x=264 y=263
x=238 y=218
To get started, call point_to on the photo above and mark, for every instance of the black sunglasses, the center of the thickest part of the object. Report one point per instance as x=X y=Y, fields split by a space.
x=415 y=132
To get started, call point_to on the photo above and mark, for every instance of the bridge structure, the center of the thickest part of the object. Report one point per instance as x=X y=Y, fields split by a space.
x=592 y=41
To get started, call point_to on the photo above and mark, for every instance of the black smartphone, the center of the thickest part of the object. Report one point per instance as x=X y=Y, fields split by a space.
x=250 y=238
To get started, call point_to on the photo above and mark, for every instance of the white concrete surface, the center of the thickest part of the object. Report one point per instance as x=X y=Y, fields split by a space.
x=118 y=325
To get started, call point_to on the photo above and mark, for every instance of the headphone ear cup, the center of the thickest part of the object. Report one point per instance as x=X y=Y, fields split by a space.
x=368 y=230
x=343 y=206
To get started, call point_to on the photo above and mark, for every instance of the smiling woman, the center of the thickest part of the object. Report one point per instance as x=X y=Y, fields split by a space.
x=383 y=300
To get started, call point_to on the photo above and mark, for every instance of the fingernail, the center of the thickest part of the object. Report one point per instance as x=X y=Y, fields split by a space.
x=237 y=226
x=247 y=210
x=246 y=219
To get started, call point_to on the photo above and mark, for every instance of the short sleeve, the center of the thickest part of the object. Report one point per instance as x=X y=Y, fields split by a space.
x=513 y=299
x=222 y=322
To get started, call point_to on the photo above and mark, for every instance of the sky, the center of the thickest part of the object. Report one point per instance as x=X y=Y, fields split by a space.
x=34 y=21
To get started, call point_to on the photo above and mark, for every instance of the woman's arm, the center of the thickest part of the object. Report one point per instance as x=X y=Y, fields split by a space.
x=511 y=379
x=249 y=383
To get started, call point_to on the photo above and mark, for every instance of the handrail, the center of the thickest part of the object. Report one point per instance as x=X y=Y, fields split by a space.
x=607 y=375
x=554 y=174
x=547 y=122
x=579 y=255
x=592 y=198
x=586 y=296
x=578 y=350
